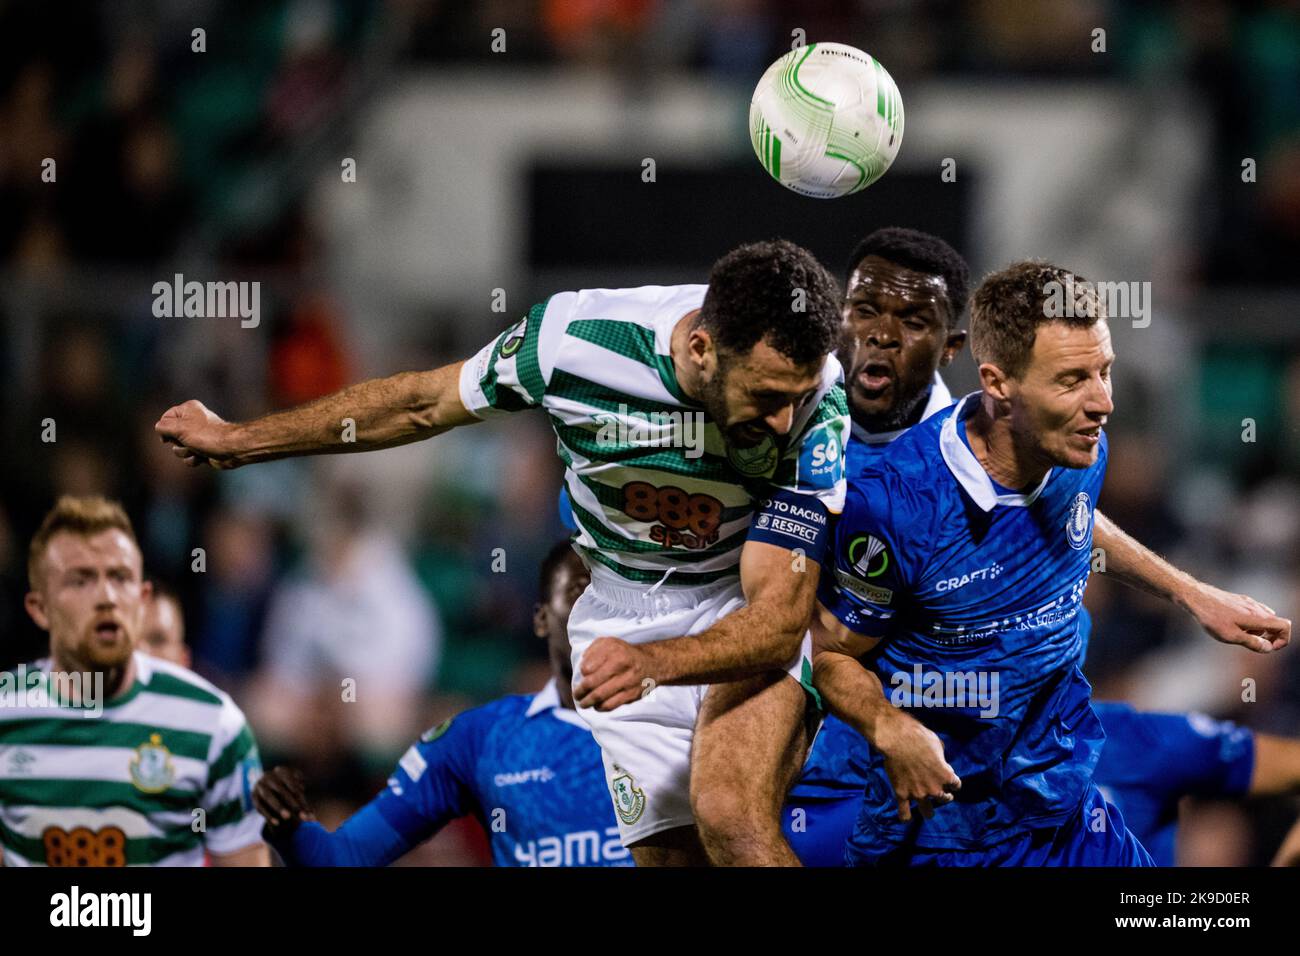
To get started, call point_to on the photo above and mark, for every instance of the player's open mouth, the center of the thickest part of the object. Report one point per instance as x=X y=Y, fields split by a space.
x=108 y=630
x=875 y=377
x=1090 y=435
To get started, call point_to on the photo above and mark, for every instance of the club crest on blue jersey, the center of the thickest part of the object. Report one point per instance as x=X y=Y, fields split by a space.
x=1078 y=526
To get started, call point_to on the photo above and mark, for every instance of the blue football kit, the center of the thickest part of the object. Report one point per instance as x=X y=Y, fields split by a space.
x=1153 y=760
x=975 y=592
x=525 y=767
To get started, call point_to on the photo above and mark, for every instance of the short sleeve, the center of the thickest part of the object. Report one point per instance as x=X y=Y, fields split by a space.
x=813 y=465
x=433 y=782
x=506 y=375
x=232 y=823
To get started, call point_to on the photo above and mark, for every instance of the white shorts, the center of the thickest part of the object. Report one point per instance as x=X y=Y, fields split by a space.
x=646 y=745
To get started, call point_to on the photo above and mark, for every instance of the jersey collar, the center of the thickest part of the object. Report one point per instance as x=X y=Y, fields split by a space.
x=547 y=700
x=940 y=398
x=965 y=467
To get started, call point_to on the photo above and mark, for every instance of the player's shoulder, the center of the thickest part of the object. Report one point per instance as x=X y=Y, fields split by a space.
x=641 y=305
x=166 y=679
x=903 y=485
x=478 y=721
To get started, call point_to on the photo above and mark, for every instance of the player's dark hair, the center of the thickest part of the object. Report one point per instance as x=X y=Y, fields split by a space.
x=774 y=291
x=920 y=252
x=559 y=553
x=1010 y=304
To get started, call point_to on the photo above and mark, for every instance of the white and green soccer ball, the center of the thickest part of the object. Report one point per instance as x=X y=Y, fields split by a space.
x=826 y=120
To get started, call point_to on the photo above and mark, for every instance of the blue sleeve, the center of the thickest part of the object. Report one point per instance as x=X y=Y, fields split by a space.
x=866 y=575
x=1220 y=755
x=431 y=785
x=364 y=839
x=434 y=781
x=1179 y=754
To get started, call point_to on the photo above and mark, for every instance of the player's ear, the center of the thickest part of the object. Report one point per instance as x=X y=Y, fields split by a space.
x=702 y=348
x=34 y=602
x=952 y=347
x=539 y=621
x=995 y=382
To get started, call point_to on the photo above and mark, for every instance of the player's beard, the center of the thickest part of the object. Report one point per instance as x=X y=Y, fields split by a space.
x=713 y=396
x=901 y=415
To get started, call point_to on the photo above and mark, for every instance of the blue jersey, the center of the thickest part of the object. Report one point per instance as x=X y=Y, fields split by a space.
x=526 y=768
x=976 y=594
x=865 y=449
x=1151 y=761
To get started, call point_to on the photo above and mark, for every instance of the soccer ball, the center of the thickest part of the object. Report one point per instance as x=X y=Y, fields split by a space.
x=826 y=120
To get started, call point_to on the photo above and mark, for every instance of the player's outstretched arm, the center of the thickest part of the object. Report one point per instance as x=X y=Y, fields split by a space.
x=364 y=839
x=1230 y=618
x=780 y=589
x=914 y=759
x=380 y=413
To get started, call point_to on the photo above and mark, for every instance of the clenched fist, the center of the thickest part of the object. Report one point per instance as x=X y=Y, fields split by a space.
x=199 y=436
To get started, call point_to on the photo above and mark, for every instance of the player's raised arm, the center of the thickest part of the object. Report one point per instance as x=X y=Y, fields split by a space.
x=380 y=413
x=1230 y=618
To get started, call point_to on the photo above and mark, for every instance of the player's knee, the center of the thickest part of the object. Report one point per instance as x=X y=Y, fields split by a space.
x=728 y=814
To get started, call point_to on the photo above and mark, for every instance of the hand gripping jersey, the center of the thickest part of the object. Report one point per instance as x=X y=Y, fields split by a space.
x=976 y=593
x=653 y=486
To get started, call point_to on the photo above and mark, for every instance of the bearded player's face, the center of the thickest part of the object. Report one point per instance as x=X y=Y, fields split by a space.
x=1063 y=398
x=757 y=396
x=91 y=598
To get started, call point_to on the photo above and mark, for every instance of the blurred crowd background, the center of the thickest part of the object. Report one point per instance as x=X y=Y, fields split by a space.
x=499 y=149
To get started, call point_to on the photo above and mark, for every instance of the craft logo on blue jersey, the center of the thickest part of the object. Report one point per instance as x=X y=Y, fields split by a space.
x=629 y=800
x=515 y=339
x=756 y=462
x=1079 y=523
x=868 y=555
x=151 y=767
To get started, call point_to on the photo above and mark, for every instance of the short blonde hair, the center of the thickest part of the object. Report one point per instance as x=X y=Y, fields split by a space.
x=84 y=516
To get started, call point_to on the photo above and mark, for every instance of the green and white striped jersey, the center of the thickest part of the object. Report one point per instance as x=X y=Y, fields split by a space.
x=125 y=787
x=655 y=489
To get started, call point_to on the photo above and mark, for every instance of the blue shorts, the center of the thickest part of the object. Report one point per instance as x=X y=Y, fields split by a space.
x=818 y=829
x=1095 y=836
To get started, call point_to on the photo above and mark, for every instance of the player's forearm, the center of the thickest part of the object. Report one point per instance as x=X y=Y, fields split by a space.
x=748 y=641
x=364 y=839
x=1138 y=566
x=853 y=693
x=380 y=413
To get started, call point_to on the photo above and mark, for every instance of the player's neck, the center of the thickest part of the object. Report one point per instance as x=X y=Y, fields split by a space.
x=994 y=445
x=117 y=680
x=688 y=376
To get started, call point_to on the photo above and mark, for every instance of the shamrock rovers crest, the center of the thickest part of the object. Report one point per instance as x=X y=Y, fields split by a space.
x=151 y=767
x=629 y=800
